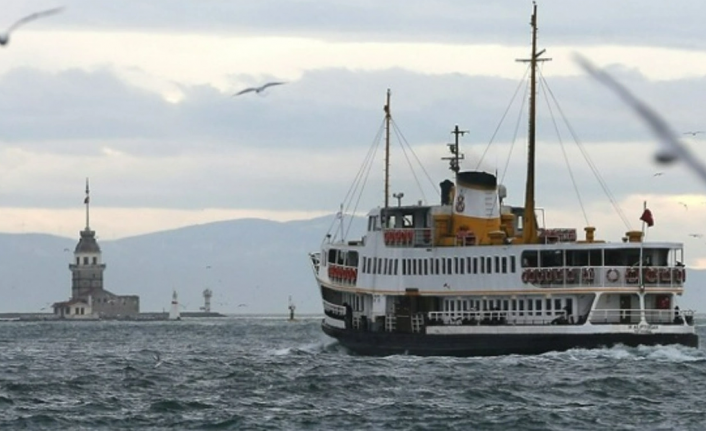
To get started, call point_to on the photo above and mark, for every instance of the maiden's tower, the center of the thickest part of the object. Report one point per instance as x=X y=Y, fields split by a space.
x=89 y=299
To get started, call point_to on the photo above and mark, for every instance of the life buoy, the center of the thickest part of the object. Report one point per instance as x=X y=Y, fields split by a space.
x=678 y=275
x=558 y=275
x=571 y=275
x=531 y=275
x=388 y=237
x=631 y=275
x=650 y=275
x=663 y=302
x=612 y=275
x=665 y=275
x=525 y=276
x=588 y=275
x=548 y=275
x=540 y=276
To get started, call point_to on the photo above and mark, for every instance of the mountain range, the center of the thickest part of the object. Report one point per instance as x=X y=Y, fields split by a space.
x=251 y=265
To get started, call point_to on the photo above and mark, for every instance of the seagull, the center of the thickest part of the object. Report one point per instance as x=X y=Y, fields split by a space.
x=242 y=305
x=673 y=149
x=694 y=133
x=5 y=37
x=657 y=174
x=258 y=89
x=684 y=205
x=157 y=360
x=696 y=235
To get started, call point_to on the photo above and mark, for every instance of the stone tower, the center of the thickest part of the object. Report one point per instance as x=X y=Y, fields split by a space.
x=87 y=268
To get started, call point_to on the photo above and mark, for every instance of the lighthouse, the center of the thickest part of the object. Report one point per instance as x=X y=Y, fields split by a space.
x=174 y=311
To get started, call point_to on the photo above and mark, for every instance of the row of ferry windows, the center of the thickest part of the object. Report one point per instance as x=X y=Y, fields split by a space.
x=440 y=265
x=533 y=307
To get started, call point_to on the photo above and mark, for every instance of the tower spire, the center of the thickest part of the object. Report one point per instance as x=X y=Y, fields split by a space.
x=87 y=202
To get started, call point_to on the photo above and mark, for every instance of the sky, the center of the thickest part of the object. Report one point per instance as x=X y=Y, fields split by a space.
x=137 y=96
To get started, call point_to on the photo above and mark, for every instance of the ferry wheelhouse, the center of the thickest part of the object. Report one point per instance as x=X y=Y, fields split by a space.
x=473 y=275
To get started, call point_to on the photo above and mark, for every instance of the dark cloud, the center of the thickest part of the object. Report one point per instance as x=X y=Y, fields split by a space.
x=325 y=113
x=631 y=22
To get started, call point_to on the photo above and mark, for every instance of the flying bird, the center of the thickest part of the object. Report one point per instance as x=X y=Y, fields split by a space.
x=657 y=174
x=242 y=305
x=696 y=235
x=684 y=205
x=258 y=89
x=157 y=359
x=673 y=149
x=694 y=133
x=5 y=37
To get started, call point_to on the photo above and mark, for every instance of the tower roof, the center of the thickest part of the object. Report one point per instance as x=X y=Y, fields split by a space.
x=87 y=243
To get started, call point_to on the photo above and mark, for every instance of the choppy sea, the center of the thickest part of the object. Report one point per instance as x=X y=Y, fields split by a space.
x=270 y=374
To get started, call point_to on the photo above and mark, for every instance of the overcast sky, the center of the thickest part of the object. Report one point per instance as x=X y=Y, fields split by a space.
x=136 y=95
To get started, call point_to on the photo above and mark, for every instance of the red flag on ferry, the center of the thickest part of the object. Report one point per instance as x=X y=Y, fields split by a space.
x=647 y=217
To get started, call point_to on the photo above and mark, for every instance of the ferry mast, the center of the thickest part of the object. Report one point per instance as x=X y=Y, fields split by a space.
x=529 y=222
x=388 y=117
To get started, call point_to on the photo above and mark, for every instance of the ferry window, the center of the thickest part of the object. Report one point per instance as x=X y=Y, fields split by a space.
x=622 y=257
x=414 y=267
x=577 y=258
x=530 y=259
x=569 y=306
x=529 y=308
x=485 y=305
x=557 y=304
x=513 y=304
x=395 y=271
x=595 y=257
x=426 y=267
x=384 y=266
x=436 y=266
x=461 y=265
x=371 y=224
x=521 y=304
x=504 y=266
x=505 y=304
x=352 y=258
x=497 y=264
x=538 y=306
x=513 y=266
x=489 y=265
x=468 y=265
x=379 y=265
x=365 y=265
x=404 y=266
x=456 y=269
x=448 y=266
x=551 y=258
x=482 y=265
x=548 y=307
x=475 y=265
x=408 y=220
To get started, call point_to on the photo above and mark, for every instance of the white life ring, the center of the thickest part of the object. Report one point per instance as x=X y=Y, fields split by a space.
x=612 y=275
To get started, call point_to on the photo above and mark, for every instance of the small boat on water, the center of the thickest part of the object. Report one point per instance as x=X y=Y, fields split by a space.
x=476 y=276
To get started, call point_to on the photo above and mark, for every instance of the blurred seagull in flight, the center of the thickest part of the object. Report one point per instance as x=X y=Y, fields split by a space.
x=684 y=205
x=694 y=133
x=5 y=37
x=258 y=89
x=658 y=174
x=696 y=235
x=672 y=148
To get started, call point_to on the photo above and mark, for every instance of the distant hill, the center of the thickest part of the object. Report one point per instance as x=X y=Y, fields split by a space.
x=252 y=266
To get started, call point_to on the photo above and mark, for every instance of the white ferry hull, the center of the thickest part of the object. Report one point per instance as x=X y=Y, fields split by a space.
x=495 y=344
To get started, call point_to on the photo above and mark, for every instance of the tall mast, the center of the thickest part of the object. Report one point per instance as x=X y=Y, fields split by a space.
x=387 y=149
x=529 y=223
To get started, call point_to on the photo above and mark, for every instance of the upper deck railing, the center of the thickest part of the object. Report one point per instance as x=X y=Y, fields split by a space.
x=616 y=276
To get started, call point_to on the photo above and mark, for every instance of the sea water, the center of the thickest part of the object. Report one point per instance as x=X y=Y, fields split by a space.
x=272 y=374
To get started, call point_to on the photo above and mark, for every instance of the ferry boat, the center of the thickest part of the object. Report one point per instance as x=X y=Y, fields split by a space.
x=476 y=276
